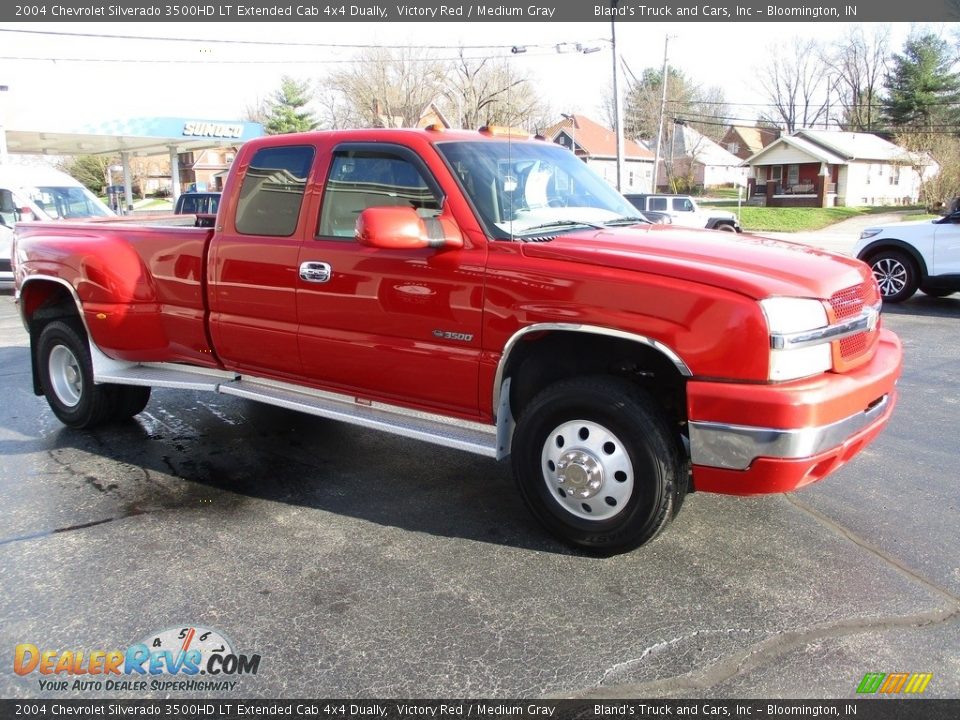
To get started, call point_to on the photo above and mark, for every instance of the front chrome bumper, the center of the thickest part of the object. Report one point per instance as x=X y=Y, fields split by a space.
x=735 y=447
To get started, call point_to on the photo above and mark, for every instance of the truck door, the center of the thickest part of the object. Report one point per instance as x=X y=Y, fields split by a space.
x=253 y=265
x=391 y=324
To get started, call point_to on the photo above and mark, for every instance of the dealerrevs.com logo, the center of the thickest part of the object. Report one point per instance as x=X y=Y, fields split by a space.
x=176 y=659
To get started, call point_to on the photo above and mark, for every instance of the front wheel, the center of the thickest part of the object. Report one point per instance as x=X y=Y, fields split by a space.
x=896 y=275
x=597 y=464
x=726 y=228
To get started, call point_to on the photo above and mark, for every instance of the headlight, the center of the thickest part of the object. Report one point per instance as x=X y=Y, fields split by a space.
x=793 y=315
x=870 y=232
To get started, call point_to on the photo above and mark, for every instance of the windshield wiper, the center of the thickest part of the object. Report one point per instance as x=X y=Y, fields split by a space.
x=561 y=223
x=629 y=220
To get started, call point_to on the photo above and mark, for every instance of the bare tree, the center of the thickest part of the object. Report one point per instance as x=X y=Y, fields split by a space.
x=682 y=152
x=488 y=91
x=383 y=88
x=256 y=111
x=858 y=61
x=797 y=84
x=939 y=187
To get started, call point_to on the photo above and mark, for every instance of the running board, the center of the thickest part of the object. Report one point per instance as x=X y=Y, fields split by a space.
x=460 y=434
x=464 y=435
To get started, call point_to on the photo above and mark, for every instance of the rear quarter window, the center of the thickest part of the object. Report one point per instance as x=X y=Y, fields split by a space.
x=272 y=191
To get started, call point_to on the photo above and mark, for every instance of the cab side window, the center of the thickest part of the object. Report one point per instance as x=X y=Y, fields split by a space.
x=189 y=205
x=360 y=179
x=658 y=204
x=272 y=191
x=8 y=209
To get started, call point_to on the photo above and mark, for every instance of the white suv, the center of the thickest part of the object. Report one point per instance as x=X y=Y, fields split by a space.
x=911 y=255
x=683 y=211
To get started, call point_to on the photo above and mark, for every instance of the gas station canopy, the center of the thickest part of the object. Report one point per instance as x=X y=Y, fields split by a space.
x=135 y=137
x=145 y=136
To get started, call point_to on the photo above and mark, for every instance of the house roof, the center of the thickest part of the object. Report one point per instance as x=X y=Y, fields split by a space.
x=855 y=146
x=594 y=140
x=433 y=114
x=754 y=138
x=836 y=147
x=701 y=149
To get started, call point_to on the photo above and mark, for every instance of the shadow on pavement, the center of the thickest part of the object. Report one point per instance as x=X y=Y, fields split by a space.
x=921 y=305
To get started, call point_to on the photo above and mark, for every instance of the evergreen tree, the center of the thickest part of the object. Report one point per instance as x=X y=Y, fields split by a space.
x=90 y=170
x=923 y=91
x=285 y=111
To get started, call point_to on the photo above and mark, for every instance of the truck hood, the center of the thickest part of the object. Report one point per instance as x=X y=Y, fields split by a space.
x=753 y=266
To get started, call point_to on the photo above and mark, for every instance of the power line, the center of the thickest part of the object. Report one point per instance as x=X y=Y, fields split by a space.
x=287 y=43
x=765 y=105
x=213 y=61
x=942 y=129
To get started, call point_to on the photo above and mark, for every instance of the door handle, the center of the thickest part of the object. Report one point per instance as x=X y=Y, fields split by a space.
x=317 y=272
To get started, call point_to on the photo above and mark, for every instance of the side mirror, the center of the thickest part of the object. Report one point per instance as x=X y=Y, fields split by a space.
x=401 y=228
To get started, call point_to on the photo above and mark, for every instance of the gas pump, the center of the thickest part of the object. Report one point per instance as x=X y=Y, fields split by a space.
x=115 y=198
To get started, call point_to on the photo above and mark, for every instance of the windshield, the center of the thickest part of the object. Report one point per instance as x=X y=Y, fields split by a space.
x=66 y=202
x=526 y=188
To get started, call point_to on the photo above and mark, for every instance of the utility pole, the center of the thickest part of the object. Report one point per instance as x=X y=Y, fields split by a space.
x=573 y=131
x=3 y=129
x=617 y=100
x=663 y=104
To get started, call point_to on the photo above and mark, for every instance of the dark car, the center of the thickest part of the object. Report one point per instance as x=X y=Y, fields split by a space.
x=202 y=204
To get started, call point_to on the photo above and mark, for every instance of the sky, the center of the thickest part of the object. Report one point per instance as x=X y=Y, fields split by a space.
x=216 y=81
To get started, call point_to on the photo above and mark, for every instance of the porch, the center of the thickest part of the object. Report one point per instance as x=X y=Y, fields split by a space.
x=801 y=194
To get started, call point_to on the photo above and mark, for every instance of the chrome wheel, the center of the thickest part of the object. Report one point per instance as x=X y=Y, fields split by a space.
x=65 y=376
x=891 y=275
x=597 y=462
x=587 y=469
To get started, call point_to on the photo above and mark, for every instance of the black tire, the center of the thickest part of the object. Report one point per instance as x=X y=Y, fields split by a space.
x=130 y=400
x=598 y=447
x=933 y=292
x=726 y=228
x=66 y=376
x=896 y=273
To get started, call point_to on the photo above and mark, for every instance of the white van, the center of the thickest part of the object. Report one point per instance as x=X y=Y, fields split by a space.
x=38 y=193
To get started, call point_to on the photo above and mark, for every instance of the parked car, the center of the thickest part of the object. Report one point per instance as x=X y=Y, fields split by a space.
x=684 y=211
x=908 y=256
x=39 y=193
x=202 y=204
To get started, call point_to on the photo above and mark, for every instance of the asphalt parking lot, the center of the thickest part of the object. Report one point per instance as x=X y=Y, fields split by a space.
x=363 y=565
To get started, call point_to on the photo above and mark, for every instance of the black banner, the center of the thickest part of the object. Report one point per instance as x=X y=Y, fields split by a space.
x=230 y=709
x=494 y=11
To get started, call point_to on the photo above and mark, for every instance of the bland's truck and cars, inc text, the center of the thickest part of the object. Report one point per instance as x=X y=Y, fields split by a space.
x=485 y=292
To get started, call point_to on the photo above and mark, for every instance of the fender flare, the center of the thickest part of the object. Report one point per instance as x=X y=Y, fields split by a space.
x=893 y=243
x=505 y=421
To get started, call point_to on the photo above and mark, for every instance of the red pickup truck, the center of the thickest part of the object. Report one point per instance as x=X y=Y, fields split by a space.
x=485 y=292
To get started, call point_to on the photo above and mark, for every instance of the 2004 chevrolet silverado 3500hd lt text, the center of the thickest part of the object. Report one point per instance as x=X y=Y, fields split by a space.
x=484 y=292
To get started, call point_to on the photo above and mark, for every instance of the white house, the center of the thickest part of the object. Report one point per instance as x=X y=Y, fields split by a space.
x=597 y=147
x=697 y=161
x=822 y=168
